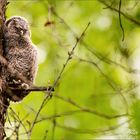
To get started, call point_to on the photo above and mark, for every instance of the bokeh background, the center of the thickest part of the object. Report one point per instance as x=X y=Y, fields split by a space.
x=97 y=96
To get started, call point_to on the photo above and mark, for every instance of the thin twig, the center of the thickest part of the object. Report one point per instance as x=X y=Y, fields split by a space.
x=120 y=21
x=128 y=17
x=59 y=76
x=16 y=116
x=110 y=81
x=59 y=115
x=90 y=131
x=94 y=52
x=95 y=112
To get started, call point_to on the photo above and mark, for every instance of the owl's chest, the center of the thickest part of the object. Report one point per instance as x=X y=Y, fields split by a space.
x=19 y=58
x=15 y=53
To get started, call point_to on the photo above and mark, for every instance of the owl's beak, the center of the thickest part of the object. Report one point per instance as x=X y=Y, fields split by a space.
x=21 y=32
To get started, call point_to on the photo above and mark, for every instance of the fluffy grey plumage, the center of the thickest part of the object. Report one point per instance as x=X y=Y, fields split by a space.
x=21 y=55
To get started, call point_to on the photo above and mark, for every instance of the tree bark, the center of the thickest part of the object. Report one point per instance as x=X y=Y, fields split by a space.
x=4 y=103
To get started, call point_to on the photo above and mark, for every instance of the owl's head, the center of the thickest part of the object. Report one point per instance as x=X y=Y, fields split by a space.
x=18 y=25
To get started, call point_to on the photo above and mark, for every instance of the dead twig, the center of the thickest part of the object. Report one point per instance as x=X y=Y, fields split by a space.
x=59 y=76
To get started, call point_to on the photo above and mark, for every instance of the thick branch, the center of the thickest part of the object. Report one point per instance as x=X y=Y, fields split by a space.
x=49 y=88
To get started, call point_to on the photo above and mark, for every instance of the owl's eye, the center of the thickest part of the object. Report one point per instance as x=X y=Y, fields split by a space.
x=20 y=30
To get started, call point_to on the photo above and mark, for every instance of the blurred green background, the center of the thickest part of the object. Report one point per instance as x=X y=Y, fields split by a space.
x=97 y=96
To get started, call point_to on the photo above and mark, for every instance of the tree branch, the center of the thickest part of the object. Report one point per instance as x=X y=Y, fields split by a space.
x=70 y=54
x=34 y=88
x=128 y=17
x=120 y=3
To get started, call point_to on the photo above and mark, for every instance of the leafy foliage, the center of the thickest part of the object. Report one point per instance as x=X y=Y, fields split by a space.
x=97 y=96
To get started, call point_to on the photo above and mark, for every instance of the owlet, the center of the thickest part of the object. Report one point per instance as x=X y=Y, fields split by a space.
x=20 y=54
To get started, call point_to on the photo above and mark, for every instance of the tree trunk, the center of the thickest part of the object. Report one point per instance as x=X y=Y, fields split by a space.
x=4 y=103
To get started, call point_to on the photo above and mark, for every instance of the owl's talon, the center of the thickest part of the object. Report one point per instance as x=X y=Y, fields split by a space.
x=15 y=82
x=24 y=85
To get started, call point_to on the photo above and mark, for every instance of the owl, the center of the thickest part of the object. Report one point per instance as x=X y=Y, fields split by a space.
x=21 y=56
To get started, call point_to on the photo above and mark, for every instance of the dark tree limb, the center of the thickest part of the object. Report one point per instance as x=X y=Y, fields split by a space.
x=4 y=103
x=34 y=88
x=120 y=21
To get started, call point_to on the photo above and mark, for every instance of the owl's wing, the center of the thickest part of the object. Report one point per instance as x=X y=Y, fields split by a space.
x=33 y=64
